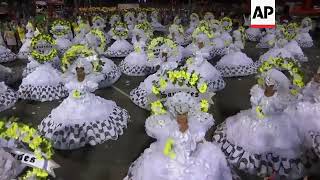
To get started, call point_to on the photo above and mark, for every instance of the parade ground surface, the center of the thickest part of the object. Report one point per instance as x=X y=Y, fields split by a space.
x=110 y=160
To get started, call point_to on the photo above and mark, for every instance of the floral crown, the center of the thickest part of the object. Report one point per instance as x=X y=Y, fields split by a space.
x=180 y=80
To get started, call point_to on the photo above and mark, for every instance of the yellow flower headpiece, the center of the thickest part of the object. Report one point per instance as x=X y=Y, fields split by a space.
x=40 y=57
x=156 y=42
x=287 y=64
x=73 y=52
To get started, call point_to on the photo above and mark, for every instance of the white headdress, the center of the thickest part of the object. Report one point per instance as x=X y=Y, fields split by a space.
x=181 y=103
x=278 y=79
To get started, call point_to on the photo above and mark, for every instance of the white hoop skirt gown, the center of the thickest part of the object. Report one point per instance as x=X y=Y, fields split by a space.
x=8 y=97
x=263 y=146
x=203 y=161
x=236 y=63
x=33 y=64
x=120 y=48
x=6 y=55
x=267 y=41
x=304 y=39
x=63 y=44
x=135 y=64
x=87 y=119
x=110 y=71
x=218 y=47
x=43 y=84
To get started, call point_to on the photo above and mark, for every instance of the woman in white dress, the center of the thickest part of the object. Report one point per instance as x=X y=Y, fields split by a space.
x=164 y=55
x=208 y=16
x=24 y=51
x=130 y=19
x=8 y=97
x=236 y=63
x=99 y=23
x=84 y=29
x=199 y=64
x=176 y=34
x=83 y=118
x=285 y=47
x=181 y=151
x=268 y=38
x=121 y=47
x=219 y=46
x=135 y=64
x=43 y=82
x=194 y=22
x=264 y=139
x=201 y=35
x=60 y=30
x=253 y=34
x=303 y=38
x=157 y=26
x=102 y=66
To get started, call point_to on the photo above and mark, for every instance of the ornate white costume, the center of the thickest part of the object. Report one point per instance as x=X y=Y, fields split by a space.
x=24 y=51
x=83 y=118
x=195 y=159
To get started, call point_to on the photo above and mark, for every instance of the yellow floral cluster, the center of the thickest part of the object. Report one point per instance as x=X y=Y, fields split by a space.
x=260 y=113
x=204 y=105
x=9 y=129
x=97 y=18
x=204 y=28
x=157 y=108
x=290 y=31
x=168 y=149
x=226 y=19
x=40 y=57
x=156 y=42
x=287 y=64
x=122 y=34
x=145 y=27
x=59 y=22
x=103 y=41
x=73 y=52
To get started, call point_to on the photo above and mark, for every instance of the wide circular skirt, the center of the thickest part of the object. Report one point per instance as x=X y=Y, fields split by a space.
x=42 y=93
x=305 y=44
x=218 y=52
x=263 y=165
x=133 y=70
x=73 y=136
x=239 y=70
x=111 y=77
x=118 y=54
x=252 y=37
x=8 y=99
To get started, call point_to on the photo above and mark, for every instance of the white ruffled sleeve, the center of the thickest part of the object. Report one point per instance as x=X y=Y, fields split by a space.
x=158 y=126
x=199 y=124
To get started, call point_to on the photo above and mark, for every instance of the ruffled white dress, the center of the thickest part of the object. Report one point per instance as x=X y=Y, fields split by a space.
x=304 y=39
x=157 y=26
x=193 y=161
x=120 y=48
x=87 y=119
x=263 y=146
x=43 y=84
x=219 y=46
x=24 y=51
x=33 y=64
x=268 y=40
x=63 y=44
x=8 y=97
x=6 y=55
x=236 y=63
x=207 y=71
x=135 y=63
x=253 y=34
